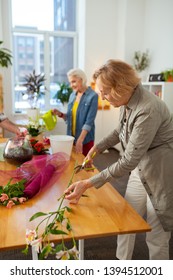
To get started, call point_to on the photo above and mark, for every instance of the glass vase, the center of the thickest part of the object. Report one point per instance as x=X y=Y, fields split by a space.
x=17 y=151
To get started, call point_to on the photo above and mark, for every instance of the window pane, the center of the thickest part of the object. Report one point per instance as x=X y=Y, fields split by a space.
x=62 y=58
x=28 y=56
x=38 y=45
x=61 y=63
x=44 y=14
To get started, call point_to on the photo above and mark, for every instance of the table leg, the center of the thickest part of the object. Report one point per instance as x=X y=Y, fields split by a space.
x=81 y=249
x=34 y=253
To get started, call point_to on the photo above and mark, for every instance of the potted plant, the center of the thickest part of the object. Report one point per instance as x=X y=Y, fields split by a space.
x=35 y=129
x=63 y=93
x=167 y=75
x=5 y=56
x=5 y=61
x=34 y=88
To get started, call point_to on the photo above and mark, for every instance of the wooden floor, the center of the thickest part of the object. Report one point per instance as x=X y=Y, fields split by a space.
x=101 y=248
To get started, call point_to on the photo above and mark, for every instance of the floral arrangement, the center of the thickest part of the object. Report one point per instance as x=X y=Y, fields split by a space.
x=30 y=178
x=56 y=223
x=36 y=127
x=38 y=147
x=12 y=193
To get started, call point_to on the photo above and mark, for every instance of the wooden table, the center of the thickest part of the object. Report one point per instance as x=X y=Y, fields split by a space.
x=104 y=212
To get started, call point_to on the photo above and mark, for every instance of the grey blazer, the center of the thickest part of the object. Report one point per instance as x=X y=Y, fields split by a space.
x=148 y=145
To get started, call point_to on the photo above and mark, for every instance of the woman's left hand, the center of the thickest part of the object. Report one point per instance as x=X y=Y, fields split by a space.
x=79 y=146
x=75 y=191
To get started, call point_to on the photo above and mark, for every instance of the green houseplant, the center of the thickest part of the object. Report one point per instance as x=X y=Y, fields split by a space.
x=5 y=56
x=5 y=61
x=63 y=93
x=167 y=75
x=34 y=88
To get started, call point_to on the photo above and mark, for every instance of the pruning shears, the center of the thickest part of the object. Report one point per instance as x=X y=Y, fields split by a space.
x=82 y=166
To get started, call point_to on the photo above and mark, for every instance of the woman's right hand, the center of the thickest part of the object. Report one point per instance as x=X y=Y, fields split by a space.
x=89 y=158
x=91 y=154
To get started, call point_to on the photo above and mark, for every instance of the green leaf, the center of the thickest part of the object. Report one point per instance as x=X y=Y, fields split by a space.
x=1 y=190
x=56 y=231
x=68 y=226
x=60 y=217
x=46 y=250
x=6 y=189
x=50 y=226
x=25 y=251
x=68 y=209
x=58 y=248
x=16 y=193
x=36 y=215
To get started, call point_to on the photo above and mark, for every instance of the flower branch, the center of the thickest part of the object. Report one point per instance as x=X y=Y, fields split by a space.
x=55 y=221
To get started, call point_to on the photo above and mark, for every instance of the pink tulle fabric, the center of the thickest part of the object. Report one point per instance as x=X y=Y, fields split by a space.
x=40 y=172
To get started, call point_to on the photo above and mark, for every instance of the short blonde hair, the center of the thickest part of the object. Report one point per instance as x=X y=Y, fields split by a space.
x=79 y=74
x=118 y=76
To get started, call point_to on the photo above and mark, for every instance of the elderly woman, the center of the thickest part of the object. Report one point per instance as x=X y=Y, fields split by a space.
x=145 y=132
x=81 y=112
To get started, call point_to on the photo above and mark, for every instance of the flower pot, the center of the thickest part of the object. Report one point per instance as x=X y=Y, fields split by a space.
x=170 y=79
x=33 y=113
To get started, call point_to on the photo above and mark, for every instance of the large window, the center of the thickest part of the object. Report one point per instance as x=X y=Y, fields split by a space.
x=44 y=40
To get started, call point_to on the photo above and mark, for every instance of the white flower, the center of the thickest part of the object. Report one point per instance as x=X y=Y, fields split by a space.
x=74 y=252
x=30 y=236
x=63 y=255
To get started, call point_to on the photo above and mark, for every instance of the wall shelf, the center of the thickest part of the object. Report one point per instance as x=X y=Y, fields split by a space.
x=162 y=89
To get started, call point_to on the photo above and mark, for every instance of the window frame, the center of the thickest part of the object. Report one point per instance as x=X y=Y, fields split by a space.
x=9 y=31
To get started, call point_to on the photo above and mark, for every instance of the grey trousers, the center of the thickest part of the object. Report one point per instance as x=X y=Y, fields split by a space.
x=157 y=240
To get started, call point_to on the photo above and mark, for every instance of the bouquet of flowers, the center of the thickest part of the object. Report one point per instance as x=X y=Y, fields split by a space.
x=17 y=186
x=38 y=147
x=12 y=193
x=35 y=128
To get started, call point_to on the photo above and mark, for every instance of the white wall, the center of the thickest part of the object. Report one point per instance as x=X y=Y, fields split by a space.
x=149 y=26
x=99 y=34
x=97 y=38
x=159 y=34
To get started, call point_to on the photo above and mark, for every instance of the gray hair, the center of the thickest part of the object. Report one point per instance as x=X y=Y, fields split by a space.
x=79 y=74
